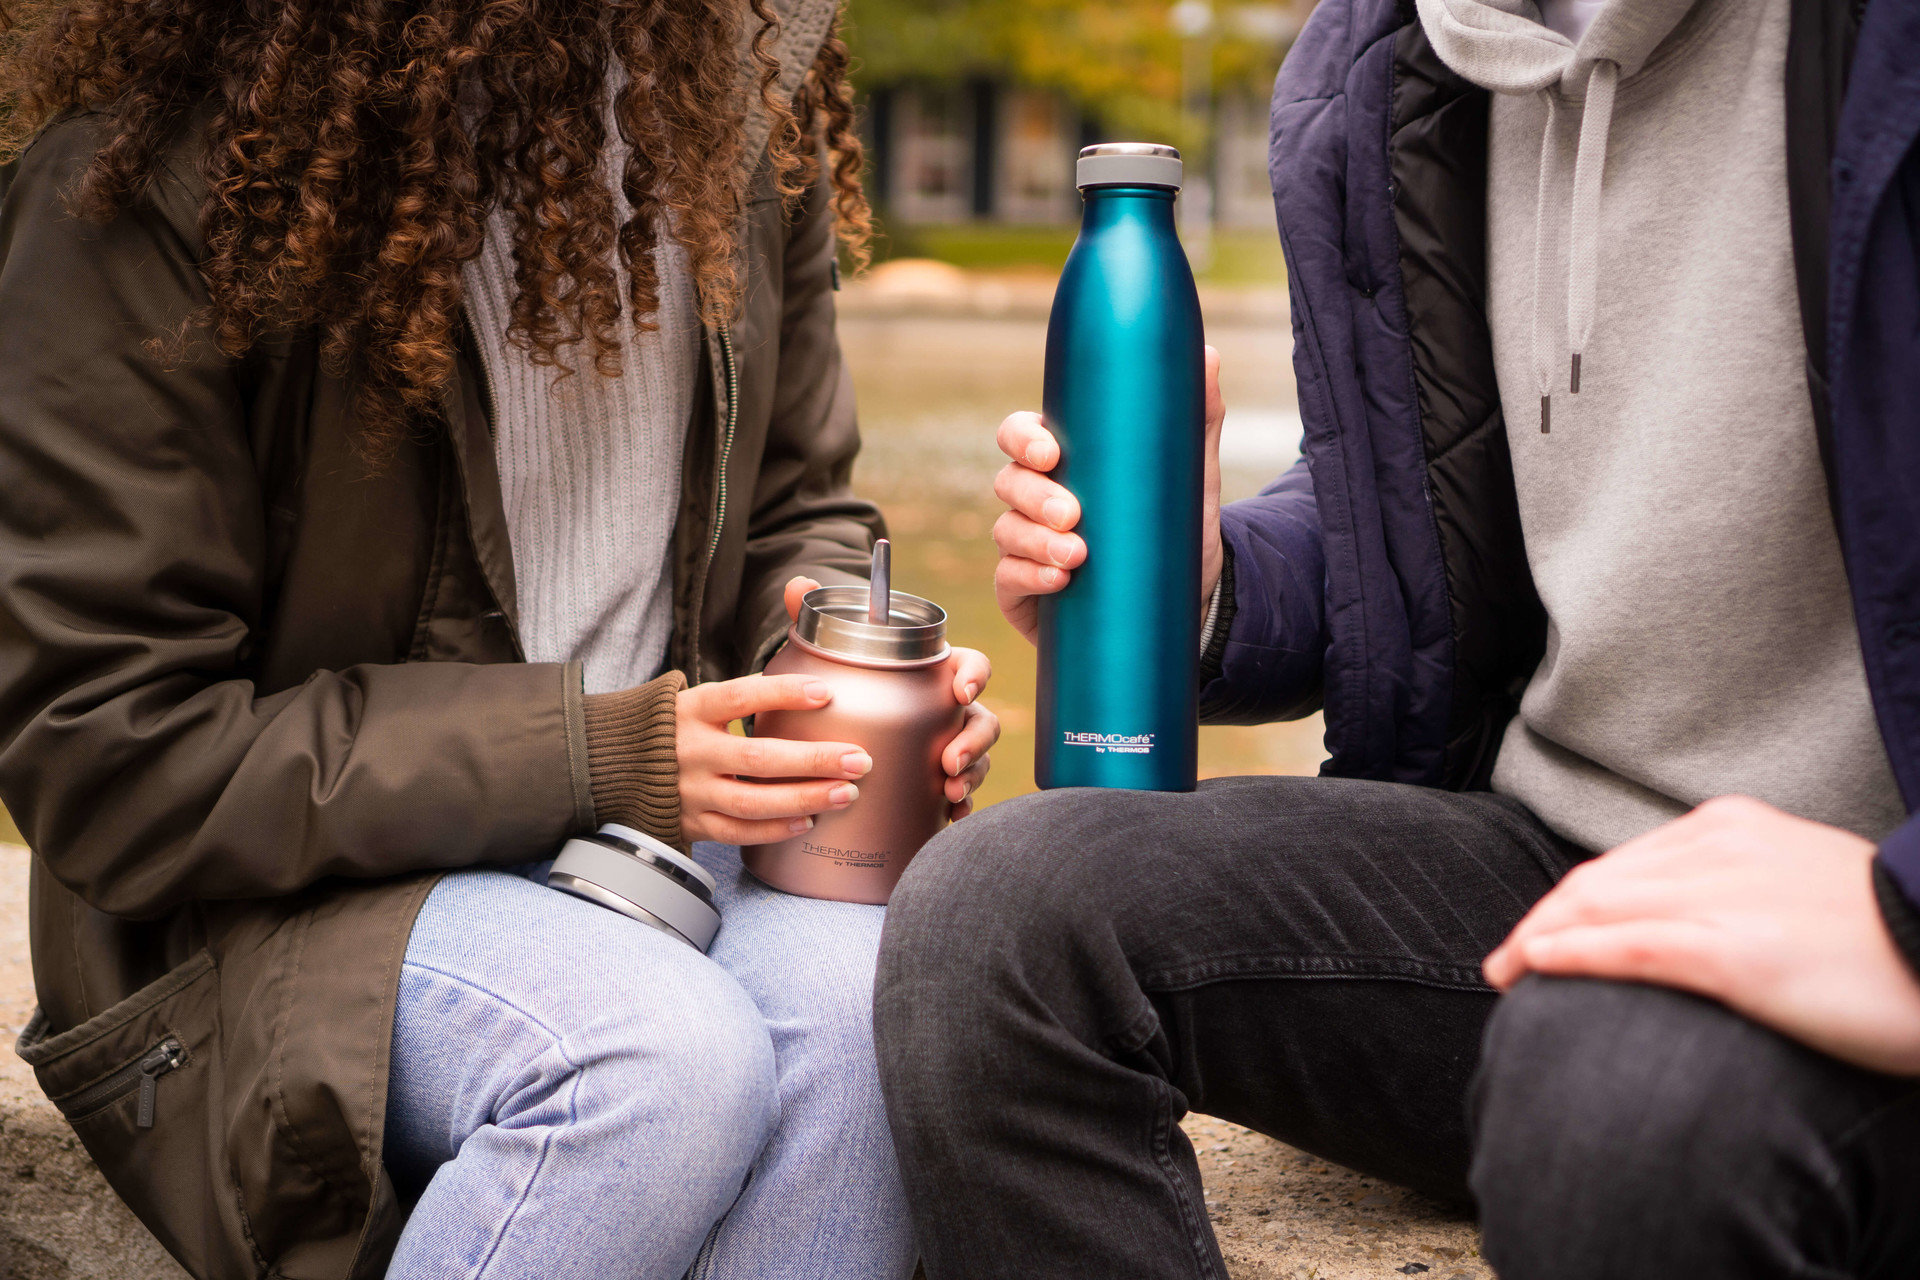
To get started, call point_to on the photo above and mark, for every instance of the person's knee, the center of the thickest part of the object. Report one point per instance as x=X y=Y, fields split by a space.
x=1027 y=866
x=988 y=922
x=677 y=1053
x=983 y=893
x=1608 y=1116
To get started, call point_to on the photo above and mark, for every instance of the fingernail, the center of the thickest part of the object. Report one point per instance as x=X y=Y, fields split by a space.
x=1036 y=457
x=960 y=765
x=817 y=690
x=1058 y=549
x=1057 y=512
x=1052 y=577
x=799 y=825
x=843 y=795
x=969 y=692
x=856 y=763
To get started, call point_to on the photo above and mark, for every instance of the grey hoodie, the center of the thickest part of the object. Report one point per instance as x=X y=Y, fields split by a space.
x=1642 y=299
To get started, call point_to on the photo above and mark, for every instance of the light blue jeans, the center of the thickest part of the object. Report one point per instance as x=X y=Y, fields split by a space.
x=573 y=1094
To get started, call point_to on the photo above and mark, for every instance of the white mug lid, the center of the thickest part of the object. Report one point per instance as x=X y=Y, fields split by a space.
x=661 y=849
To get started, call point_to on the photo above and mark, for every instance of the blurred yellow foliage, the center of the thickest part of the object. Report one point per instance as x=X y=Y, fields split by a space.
x=1120 y=60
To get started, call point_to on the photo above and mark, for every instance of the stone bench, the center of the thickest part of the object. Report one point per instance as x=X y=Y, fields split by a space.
x=1280 y=1214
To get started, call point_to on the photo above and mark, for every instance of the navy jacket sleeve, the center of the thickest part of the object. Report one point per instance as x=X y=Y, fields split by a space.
x=1896 y=883
x=1270 y=667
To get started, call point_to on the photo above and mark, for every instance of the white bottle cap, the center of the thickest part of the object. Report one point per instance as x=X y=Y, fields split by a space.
x=1131 y=164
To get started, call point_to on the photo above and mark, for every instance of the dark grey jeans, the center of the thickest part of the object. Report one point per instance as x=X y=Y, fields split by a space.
x=1064 y=975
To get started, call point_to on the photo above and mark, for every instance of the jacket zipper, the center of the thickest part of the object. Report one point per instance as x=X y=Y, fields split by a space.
x=726 y=447
x=732 y=373
x=143 y=1075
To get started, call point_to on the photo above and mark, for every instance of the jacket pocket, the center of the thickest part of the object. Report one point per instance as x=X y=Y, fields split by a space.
x=137 y=1083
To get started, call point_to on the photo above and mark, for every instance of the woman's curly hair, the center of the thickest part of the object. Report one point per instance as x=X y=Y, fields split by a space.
x=353 y=148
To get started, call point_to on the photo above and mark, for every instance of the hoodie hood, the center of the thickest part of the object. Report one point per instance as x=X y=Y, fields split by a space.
x=1503 y=46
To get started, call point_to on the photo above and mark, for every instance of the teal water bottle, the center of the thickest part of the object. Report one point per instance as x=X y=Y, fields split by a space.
x=1126 y=398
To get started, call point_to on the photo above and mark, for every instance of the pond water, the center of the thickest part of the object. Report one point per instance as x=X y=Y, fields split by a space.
x=932 y=389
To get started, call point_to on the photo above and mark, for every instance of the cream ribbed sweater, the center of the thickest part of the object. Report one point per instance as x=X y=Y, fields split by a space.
x=590 y=477
x=590 y=472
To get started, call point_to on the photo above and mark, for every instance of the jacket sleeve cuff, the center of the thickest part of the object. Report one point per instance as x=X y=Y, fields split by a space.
x=1213 y=638
x=632 y=765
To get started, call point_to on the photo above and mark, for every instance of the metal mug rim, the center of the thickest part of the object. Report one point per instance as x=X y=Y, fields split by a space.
x=833 y=621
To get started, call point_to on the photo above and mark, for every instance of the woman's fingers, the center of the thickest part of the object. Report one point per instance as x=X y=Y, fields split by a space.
x=1024 y=438
x=971 y=671
x=1016 y=535
x=723 y=701
x=797 y=589
x=977 y=735
x=764 y=800
x=730 y=755
x=963 y=786
x=1036 y=497
x=730 y=830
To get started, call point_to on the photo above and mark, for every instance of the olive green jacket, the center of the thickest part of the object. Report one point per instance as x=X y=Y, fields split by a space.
x=253 y=696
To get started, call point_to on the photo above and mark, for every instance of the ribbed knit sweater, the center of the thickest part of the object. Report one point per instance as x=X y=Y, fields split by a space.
x=590 y=477
x=590 y=473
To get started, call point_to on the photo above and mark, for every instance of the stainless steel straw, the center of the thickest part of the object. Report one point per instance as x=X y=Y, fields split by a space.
x=880 y=593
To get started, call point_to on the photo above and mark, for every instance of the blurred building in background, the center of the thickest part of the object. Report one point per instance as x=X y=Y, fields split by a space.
x=985 y=129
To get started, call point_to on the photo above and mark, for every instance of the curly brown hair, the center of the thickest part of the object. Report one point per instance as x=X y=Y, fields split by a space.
x=352 y=148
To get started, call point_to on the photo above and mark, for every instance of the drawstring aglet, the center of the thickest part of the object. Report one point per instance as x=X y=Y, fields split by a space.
x=1546 y=414
x=1574 y=388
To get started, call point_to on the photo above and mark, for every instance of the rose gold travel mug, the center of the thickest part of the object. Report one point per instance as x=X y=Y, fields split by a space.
x=892 y=687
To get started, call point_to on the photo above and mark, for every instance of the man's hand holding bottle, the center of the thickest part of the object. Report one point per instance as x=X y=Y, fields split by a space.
x=1038 y=548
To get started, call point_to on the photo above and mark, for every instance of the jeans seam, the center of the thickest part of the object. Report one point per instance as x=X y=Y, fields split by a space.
x=494 y=996
x=546 y=1146
x=1425 y=973
x=1162 y=1143
x=1853 y=1132
x=702 y=1268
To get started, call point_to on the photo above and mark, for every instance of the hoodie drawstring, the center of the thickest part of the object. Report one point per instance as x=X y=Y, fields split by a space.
x=1542 y=344
x=1583 y=259
x=1583 y=245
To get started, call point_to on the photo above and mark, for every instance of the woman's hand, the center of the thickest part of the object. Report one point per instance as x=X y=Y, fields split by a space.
x=1038 y=549
x=1772 y=915
x=715 y=804
x=965 y=758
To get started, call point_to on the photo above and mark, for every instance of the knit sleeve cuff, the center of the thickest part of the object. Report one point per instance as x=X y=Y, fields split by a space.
x=1213 y=637
x=634 y=771
x=1901 y=916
